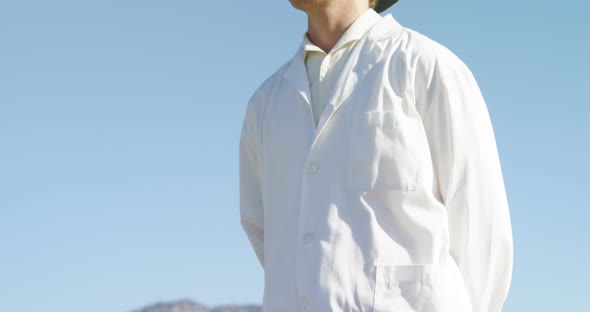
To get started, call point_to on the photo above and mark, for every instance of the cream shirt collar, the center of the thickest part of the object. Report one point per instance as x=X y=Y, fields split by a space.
x=353 y=33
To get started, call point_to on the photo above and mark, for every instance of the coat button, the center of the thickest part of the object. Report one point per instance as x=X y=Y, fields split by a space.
x=308 y=237
x=312 y=167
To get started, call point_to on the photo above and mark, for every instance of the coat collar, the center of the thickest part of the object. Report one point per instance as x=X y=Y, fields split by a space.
x=355 y=31
x=357 y=66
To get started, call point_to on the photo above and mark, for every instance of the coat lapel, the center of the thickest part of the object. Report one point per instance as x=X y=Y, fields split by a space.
x=365 y=54
x=296 y=76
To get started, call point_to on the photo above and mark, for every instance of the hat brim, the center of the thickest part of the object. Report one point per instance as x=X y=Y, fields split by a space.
x=383 y=5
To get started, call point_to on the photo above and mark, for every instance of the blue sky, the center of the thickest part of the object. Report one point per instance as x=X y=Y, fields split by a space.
x=119 y=127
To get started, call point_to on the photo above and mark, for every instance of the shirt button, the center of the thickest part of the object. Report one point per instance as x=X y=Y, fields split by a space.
x=304 y=302
x=308 y=237
x=312 y=167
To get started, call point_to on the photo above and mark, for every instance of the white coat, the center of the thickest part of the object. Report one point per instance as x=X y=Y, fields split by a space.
x=395 y=202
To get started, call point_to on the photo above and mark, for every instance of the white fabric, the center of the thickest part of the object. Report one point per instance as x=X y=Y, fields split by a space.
x=323 y=68
x=395 y=202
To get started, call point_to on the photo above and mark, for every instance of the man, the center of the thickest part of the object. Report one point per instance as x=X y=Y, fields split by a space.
x=369 y=174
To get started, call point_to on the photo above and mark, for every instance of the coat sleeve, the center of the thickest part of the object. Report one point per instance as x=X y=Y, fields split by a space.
x=251 y=207
x=468 y=177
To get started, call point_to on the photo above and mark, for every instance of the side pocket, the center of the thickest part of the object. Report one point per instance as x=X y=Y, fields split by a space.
x=418 y=288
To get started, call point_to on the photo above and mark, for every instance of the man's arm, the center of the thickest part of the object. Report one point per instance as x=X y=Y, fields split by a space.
x=251 y=208
x=468 y=176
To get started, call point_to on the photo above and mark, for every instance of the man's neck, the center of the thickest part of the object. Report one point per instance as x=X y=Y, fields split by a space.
x=327 y=24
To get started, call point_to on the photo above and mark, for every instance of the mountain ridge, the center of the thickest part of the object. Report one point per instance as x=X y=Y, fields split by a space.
x=187 y=305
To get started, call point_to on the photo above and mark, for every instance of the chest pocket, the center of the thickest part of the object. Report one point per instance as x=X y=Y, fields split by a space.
x=382 y=152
